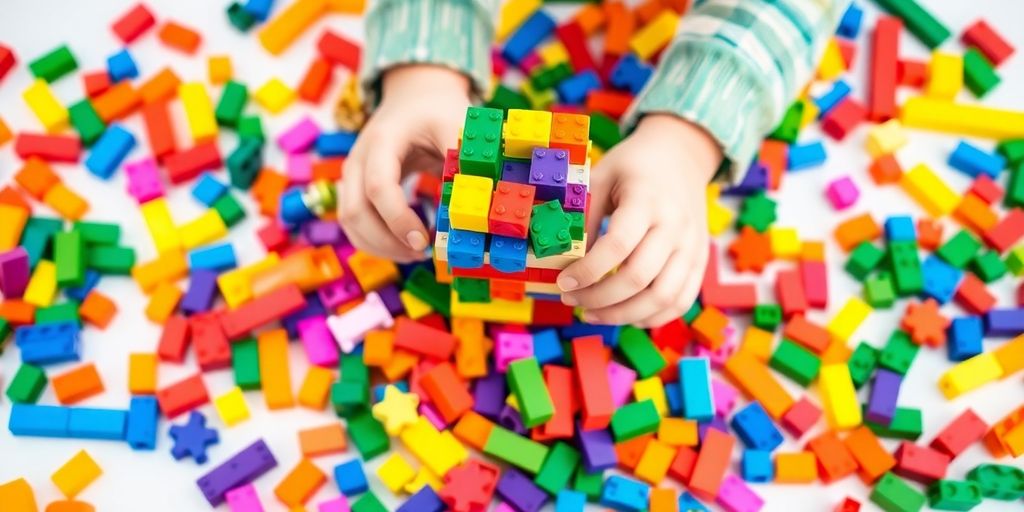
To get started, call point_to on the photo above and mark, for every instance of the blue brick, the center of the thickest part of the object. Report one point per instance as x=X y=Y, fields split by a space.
x=425 y=500
x=973 y=161
x=378 y=390
x=695 y=382
x=965 y=337
x=208 y=189
x=335 y=143
x=258 y=9
x=532 y=32
x=757 y=466
x=466 y=249
x=39 y=420
x=41 y=345
x=89 y=423
x=826 y=102
x=547 y=347
x=121 y=66
x=444 y=220
x=755 y=428
x=631 y=74
x=849 y=25
x=78 y=293
x=802 y=156
x=689 y=503
x=609 y=333
x=350 y=478
x=900 y=229
x=574 y=90
x=507 y=254
x=215 y=257
x=623 y=493
x=674 y=397
x=570 y=501
x=109 y=151
x=143 y=415
x=940 y=278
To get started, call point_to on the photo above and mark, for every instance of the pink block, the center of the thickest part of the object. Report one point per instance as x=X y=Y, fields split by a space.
x=339 y=292
x=14 y=272
x=510 y=346
x=300 y=137
x=842 y=193
x=144 y=180
x=725 y=397
x=321 y=349
x=814 y=276
x=430 y=412
x=735 y=496
x=719 y=355
x=504 y=507
x=344 y=251
x=529 y=63
x=339 y=504
x=498 y=63
x=300 y=168
x=244 y=499
x=351 y=327
x=620 y=380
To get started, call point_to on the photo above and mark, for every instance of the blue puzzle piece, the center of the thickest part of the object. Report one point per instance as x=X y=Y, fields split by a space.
x=192 y=438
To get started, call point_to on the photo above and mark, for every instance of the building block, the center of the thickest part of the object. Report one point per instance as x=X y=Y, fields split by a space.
x=945 y=75
x=300 y=483
x=242 y=468
x=986 y=40
x=76 y=474
x=842 y=193
x=192 y=438
x=892 y=493
x=918 y=20
x=77 y=384
x=183 y=396
x=839 y=397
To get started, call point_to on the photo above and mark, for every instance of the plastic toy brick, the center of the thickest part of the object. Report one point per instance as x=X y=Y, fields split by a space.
x=244 y=498
x=939 y=115
x=832 y=64
x=839 y=396
x=511 y=207
x=481 y=145
x=534 y=30
x=795 y=362
x=182 y=396
x=7 y=60
x=882 y=81
x=395 y=472
x=53 y=64
x=242 y=468
x=46 y=107
x=920 y=463
x=447 y=392
x=800 y=417
x=159 y=130
x=711 y=464
x=441 y=451
x=86 y=121
x=798 y=467
x=919 y=21
x=274 y=369
x=27 y=384
x=300 y=484
x=945 y=75
x=592 y=381
x=142 y=373
x=261 y=310
x=77 y=384
x=202 y=124
x=76 y=474
x=981 y=36
x=42 y=286
x=339 y=50
x=231 y=407
x=179 y=37
x=843 y=119
x=1006 y=232
x=49 y=343
x=18 y=494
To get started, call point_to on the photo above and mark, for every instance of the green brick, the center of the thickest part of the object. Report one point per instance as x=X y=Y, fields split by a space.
x=244 y=163
x=954 y=495
x=588 y=483
x=604 y=131
x=988 y=266
x=864 y=259
x=69 y=256
x=693 y=312
x=36 y=236
x=862 y=363
x=757 y=211
x=368 y=502
x=239 y=17
x=879 y=291
x=505 y=98
x=350 y=398
x=111 y=260
x=979 y=75
x=231 y=104
x=1015 y=260
x=53 y=65
x=515 y=449
x=1015 y=188
x=550 y=77
x=918 y=21
x=549 y=230
x=899 y=353
x=767 y=316
x=540 y=100
x=999 y=481
x=229 y=209
x=423 y=285
x=634 y=420
x=368 y=435
x=1012 y=150
x=63 y=312
x=352 y=369
x=98 y=233
x=251 y=127
x=577 y=226
x=28 y=383
x=480 y=154
x=789 y=128
x=906 y=424
x=906 y=268
x=5 y=331
x=638 y=349
x=959 y=250
x=527 y=383
x=86 y=121
x=795 y=362
x=446 y=192
x=472 y=289
x=558 y=468
x=245 y=363
x=892 y=494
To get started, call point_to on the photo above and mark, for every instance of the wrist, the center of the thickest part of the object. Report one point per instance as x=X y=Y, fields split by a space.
x=423 y=80
x=701 y=148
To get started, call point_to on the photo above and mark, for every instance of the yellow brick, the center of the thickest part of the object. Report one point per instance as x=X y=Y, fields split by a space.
x=793 y=468
x=969 y=120
x=848 y=318
x=758 y=343
x=423 y=477
x=236 y=285
x=316 y=388
x=654 y=462
x=160 y=224
x=202 y=230
x=219 y=68
x=47 y=108
x=231 y=407
x=785 y=242
x=810 y=114
x=76 y=474
x=513 y=14
x=470 y=202
x=42 y=286
x=414 y=307
x=652 y=388
x=970 y=374
x=439 y=452
x=678 y=432
x=525 y=130
x=655 y=35
x=928 y=189
x=886 y=138
x=945 y=75
x=274 y=95
x=719 y=217
x=396 y=472
x=198 y=111
x=553 y=53
x=169 y=266
x=142 y=373
x=347 y=6
x=502 y=311
x=838 y=396
x=832 y=64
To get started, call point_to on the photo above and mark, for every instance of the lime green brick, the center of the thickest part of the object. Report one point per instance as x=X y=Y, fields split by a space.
x=1015 y=261
x=515 y=449
x=69 y=256
x=638 y=349
x=879 y=291
x=251 y=127
x=795 y=362
x=558 y=468
x=245 y=363
x=527 y=383
x=635 y=419
x=1012 y=150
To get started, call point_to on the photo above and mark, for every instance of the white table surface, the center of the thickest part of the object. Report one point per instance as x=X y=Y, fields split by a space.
x=154 y=481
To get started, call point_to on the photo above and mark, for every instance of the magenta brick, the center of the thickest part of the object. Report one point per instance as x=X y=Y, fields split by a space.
x=724 y=396
x=320 y=347
x=842 y=193
x=300 y=168
x=300 y=137
x=620 y=380
x=14 y=272
x=575 y=198
x=735 y=496
x=144 y=180
x=244 y=499
x=509 y=346
x=339 y=504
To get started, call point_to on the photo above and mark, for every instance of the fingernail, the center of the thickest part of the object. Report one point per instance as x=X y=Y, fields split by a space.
x=567 y=284
x=568 y=300
x=416 y=240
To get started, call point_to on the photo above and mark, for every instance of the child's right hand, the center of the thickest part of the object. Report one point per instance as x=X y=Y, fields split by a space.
x=422 y=108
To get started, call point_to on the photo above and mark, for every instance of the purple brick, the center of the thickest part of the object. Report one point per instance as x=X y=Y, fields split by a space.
x=549 y=169
x=515 y=171
x=575 y=198
x=322 y=232
x=520 y=492
x=392 y=301
x=597 y=448
x=510 y=419
x=246 y=466
x=718 y=423
x=489 y=395
x=344 y=250
x=339 y=292
x=885 y=392
x=425 y=500
x=313 y=308
x=755 y=179
x=202 y=290
x=14 y=272
x=1004 y=322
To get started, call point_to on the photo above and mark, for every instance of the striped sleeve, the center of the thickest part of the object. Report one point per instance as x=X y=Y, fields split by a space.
x=452 y=33
x=735 y=65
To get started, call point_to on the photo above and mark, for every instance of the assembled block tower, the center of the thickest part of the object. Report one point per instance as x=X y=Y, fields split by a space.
x=513 y=210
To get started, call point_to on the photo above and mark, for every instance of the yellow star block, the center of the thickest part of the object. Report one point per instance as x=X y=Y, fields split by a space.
x=397 y=410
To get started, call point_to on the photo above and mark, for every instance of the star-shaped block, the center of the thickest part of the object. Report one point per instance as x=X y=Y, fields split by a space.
x=925 y=323
x=751 y=250
x=758 y=212
x=397 y=410
x=192 y=438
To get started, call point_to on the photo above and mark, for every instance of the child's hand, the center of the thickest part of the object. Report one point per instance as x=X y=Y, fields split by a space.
x=421 y=111
x=654 y=184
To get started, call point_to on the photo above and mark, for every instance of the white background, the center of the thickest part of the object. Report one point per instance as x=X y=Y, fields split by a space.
x=154 y=481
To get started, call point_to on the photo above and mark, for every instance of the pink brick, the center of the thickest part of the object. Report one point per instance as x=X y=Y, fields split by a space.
x=842 y=193
x=244 y=499
x=321 y=349
x=510 y=346
x=430 y=412
x=735 y=496
x=14 y=272
x=529 y=62
x=620 y=379
x=300 y=137
x=144 y=180
x=504 y=507
x=300 y=168
x=721 y=354
x=352 y=326
x=725 y=397
x=339 y=504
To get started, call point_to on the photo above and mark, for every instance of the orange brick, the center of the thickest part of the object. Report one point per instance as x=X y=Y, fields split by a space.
x=163 y=302
x=929 y=234
x=117 y=102
x=97 y=309
x=473 y=429
x=323 y=440
x=316 y=388
x=871 y=456
x=161 y=86
x=17 y=312
x=975 y=213
x=855 y=230
x=378 y=347
x=300 y=484
x=36 y=177
x=179 y=37
x=799 y=467
x=66 y=202
x=77 y=384
x=142 y=373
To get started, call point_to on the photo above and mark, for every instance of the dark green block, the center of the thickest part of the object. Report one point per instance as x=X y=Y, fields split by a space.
x=369 y=502
x=999 y=481
x=505 y=98
x=549 y=230
x=550 y=77
x=862 y=363
x=588 y=483
x=111 y=260
x=232 y=101
x=63 y=312
x=5 y=331
x=239 y=17
x=86 y=121
x=959 y=250
x=472 y=289
x=692 y=313
x=368 y=435
x=906 y=424
x=906 y=268
x=1012 y=150
x=988 y=266
x=954 y=495
x=28 y=383
x=893 y=494
x=53 y=65
x=229 y=209
x=446 y=192
x=558 y=468
x=638 y=349
x=795 y=362
x=69 y=256
x=757 y=211
x=767 y=316
x=36 y=236
x=99 y=233
x=423 y=285
x=577 y=225
x=918 y=21
x=1015 y=188
x=604 y=131
x=979 y=75
x=353 y=369
x=635 y=419
x=245 y=162
x=899 y=353
x=349 y=398
x=245 y=362
x=864 y=259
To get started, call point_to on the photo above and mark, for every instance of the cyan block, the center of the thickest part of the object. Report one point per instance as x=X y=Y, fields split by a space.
x=350 y=478
x=215 y=257
x=570 y=501
x=109 y=151
x=849 y=24
x=826 y=102
x=547 y=347
x=695 y=382
x=803 y=156
x=900 y=228
x=258 y=9
x=121 y=66
x=39 y=420
x=940 y=278
x=972 y=161
x=964 y=338
x=757 y=466
x=89 y=423
x=208 y=189
x=143 y=416
x=623 y=493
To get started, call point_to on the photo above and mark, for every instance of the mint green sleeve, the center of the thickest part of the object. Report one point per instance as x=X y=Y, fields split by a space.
x=734 y=66
x=453 y=33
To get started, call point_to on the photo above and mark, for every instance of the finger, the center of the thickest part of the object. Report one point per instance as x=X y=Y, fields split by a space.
x=635 y=275
x=627 y=227
x=385 y=194
x=658 y=319
x=657 y=298
x=362 y=224
x=597 y=208
x=696 y=260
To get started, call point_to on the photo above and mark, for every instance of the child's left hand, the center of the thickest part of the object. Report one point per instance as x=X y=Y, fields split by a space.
x=654 y=184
